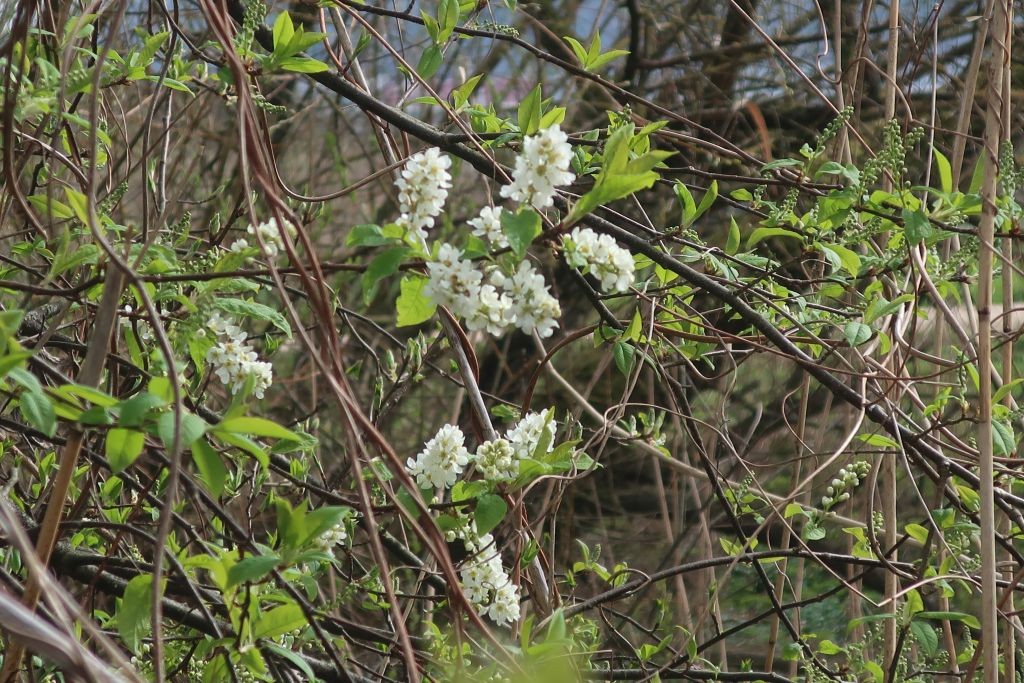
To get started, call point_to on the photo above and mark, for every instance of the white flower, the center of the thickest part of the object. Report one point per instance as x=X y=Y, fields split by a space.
x=526 y=436
x=234 y=362
x=442 y=459
x=336 y=535
x=542 y=166
x=485 y=310
x=422 y=190
x=533 y=307
x=505 y=606
x=268 y=236
x=497 y=460
x=488 y=587
x=602 y=257
x=487 y=226
x=224 y=327
x=452 y=278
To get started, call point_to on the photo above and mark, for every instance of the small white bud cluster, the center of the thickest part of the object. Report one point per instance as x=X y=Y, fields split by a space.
x=234 y=361
x=504 y=301
x=541 y=167
x=422 y=190
x=600 y=256
x=497 y=460
x=846 y=481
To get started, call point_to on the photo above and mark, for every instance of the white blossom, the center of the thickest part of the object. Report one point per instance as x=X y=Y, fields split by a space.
x=442 y=459
x=542 y=166
x=422 y=190
x=487 y=226
x=497 y=460
x=233 y=360
x=488 y=587
x=336 y=535
x=532 y=306
x=526 y=436
x=268 y=237
x=602 y=257
x=452 y=278
x=486 y=309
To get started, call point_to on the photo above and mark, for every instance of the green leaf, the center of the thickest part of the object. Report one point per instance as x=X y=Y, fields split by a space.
x=520 y=228
x=303 y=65
x=323 y=518
x=133 y=612
x=294 y=658
x=918 y=227
x=284 y=29
x=732 y=243
x=917 y=532
x=490 y=510
x=211 y=468
x=133 y=411
x=447 y=18
x=1003 y=438
x=250 y=309
x=255 y=426
x=367 y=236
x=383 y=264
x=413 y=306
x=945 y=171
x=123 y=446
x=37 y=409
x=430 y=61
x=252 y=568
x=529 y=112
x=192 y=427
x=857 y=333
x=764 y=233
x=926 y=637
x=625 y=356
x=968 y=619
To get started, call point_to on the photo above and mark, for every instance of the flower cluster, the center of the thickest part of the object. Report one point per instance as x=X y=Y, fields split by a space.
x=501 y=302
x=542 y=166
x=604 y=259
x=422 y=190
x=336 y=535
x=442 y=459
x=268 y=237
x=497 y=460
x=848 y=480
x=234 y=361
x=487 y=226
x=486 y=584
x=528 y=433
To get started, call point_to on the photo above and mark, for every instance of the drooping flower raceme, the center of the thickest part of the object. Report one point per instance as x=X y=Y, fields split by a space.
x=422 y=190
x=521 y=300
x=602 y=257
x=234 y=361
x=532 y=306
x=487 y=226
x=542 y=166
x=442 y=459
x=486 y=584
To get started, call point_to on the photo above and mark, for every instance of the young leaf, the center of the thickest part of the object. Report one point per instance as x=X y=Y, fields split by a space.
x=122 y=447
x=490 y=510
x=413 y=306
x=520 y=228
